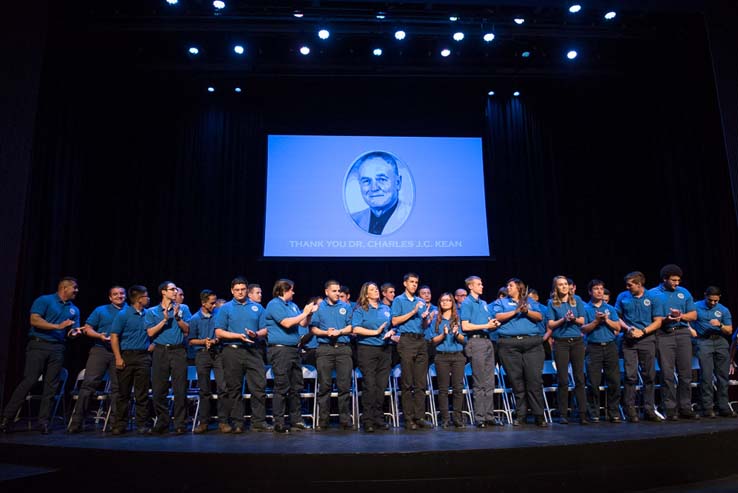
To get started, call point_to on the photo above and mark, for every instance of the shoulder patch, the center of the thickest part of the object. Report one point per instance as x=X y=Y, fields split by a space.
x=647 y=302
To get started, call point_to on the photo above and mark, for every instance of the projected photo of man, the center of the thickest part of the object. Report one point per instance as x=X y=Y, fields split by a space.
x=379 y=192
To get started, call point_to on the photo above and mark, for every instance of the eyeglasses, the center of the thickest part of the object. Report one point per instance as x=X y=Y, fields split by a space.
x=171 y=289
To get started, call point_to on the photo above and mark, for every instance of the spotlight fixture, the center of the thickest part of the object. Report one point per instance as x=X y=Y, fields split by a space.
x=298 y=14
x=237 y=89
x=211 y=89
x=488 y=37
x=575 y=8
x=491 y=93
x=219 y=4
x=458 y=36
x=238 y=49
x=519 y=21
x=445 y=52
x=516 y=93
x=324 y=34
x=571 y=54
x=400 y=35
x=525 y=54
x=304 y=50
x=610 y=15
x=172 y=2
x=381 y=15
x=193 y=50
x=453 y=18
x=377 y=52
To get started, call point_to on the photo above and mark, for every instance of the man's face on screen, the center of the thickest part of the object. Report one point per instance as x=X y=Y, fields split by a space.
x=379 y=183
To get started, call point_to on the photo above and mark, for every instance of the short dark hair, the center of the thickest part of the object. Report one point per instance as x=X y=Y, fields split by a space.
x=670 y=270
x=333 y=282
x=384 y=287
x=67 y=280
x=712 y=291
x=635 y=276
x=341 y=287
x=115 y=286
x=163 y=285
x=205 y=294
x=251 y=287
x=593 y=283
x=239 y=280
x=281 y=286
x=135 y=292
x=409 y=275
x=424 y=286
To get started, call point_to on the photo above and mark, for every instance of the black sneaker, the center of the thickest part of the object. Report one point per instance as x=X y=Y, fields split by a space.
x=652 y=416
x=541 y=422
x=616 y=419
x=281 y=429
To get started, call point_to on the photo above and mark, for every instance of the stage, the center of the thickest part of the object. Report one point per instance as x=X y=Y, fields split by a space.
x=603 y=457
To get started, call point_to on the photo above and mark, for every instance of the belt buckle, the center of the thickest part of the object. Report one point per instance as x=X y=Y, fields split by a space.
x=520 y=338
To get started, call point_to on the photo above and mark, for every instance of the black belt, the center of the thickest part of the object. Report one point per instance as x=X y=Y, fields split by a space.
x=411 y=334
x=712 y=337
x=236 y=346
x=280 y=345
x=568 y=339
x=333 y=344
x=603 y=344
x=479 y=336
x=38 y=339
x=135 y=351
x=518 y=337
x=169 y=347
x=449 y=352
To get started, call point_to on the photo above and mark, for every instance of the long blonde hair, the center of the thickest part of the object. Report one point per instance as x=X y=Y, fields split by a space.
x=556 y=298
x=363 y=301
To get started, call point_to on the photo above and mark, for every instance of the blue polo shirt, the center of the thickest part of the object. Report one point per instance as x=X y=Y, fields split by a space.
x=679 y=299
x=448 y=344
x=55 y=311
x=276 y=311
x=312 y=342
x=237 y=317
x=402 y=305
x=171 y=333
x=335 y=316
x=372 y=318
x=202 y=326
x=520 y=324
x=602 y=332
x=638 y=312
x=704 y=315
x=567 y=329
x=130 y=326
x=542 y=309
x=475 y=311
x=101 y=319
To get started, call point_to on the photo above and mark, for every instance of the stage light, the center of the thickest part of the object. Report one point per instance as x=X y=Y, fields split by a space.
x=238 y=49
x=298 y=14
x=445 y=52
x=610 y=15
x=400 y=35
x=237 y=89
x=219 y=4
x=489 y=37
x=571 y=55
x=324 y=34
x=453 y=18
x=491 y=93
x=459 y=36
x=525 y=54
x=211 y=89
x=575 y=8
x=516 y=93
x=519 y=20
x=193 y=50
x=172 y=2
x=381 y=15
x=377 y=52
x=304 y=50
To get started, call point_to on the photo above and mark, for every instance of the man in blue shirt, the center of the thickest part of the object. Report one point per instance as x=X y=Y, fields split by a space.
x=331 y=324
x=640 y=318
x=207 y=350
x=237 y=325
x=100 y=359
x=130 y=344
x=410 y=316
x=601 y=325
x=282 y=319
x=674 y=343
x=477 y=323
x=714 y=325
x=53 y=318
x=167 y=326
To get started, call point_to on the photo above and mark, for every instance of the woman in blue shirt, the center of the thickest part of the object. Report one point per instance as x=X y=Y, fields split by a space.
x=371 y=324
x=565 y=319
x=448 y=341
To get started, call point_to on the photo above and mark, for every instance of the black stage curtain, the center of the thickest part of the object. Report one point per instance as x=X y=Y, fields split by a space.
x=141 y=177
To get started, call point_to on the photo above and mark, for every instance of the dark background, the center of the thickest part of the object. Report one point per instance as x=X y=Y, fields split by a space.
x=136 y=175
